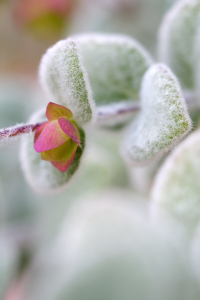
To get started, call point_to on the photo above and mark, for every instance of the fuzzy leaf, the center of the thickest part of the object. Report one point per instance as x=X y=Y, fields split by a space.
x=40 y=174
x=115 y=66
x=63 y=76
x=177 y=40
x=106 y=249
x=163 y=119
x=177 y=187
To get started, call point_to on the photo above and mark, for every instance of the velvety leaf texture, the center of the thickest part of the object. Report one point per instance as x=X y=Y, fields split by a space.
x=177 y=40
x=177 y=187
x=40 y=174
x=163 y=119
x=107 y=250
x=64 y=78
x=115 y=65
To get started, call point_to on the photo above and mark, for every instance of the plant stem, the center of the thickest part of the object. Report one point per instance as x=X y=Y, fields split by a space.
x=17 y=130
x=113 y=110
x=103 y=113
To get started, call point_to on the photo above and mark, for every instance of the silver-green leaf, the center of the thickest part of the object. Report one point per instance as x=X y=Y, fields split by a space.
x=65 y=80
x=115 y=65
x=177 y=40
x=163 y=119
x=177 y=187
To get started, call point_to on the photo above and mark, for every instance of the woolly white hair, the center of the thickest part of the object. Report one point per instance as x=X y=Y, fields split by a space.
x=65 y=79
x=115 y=65
x=163 y=120
x=106 y=67
x=6 y=134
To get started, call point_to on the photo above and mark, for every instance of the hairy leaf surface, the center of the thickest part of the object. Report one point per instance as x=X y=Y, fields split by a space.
x=163 y=119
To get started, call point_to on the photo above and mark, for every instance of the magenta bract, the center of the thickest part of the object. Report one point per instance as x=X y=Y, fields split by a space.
x=57 y=139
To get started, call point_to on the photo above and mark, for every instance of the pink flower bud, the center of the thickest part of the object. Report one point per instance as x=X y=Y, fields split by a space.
x=57 y=139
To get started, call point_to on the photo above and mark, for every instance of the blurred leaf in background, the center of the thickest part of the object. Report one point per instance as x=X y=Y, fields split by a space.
x=138 y=18
x=43 y=18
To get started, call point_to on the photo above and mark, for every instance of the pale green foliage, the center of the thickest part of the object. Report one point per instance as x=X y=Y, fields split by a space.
x=163 y=119
x=107 y=249
x=177 y=40
x=63 y=76
x=40 y=174
x=7 y=265
x=115 y=65
x=177 y=188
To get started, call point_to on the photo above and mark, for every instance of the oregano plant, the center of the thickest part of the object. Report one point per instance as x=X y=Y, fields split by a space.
x=109 y=83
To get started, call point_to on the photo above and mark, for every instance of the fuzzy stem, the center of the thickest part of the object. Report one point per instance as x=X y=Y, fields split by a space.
x=103 y=113
x=107 y=112
x=20 y=129
x=17 y=130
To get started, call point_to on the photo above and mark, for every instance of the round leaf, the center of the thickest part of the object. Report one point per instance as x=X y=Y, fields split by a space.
x=163 y=119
